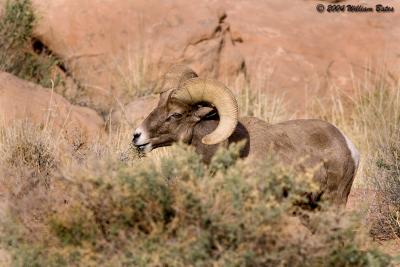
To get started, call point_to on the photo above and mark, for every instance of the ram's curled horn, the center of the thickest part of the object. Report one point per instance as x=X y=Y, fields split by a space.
x=206 y=90
x=174 y=77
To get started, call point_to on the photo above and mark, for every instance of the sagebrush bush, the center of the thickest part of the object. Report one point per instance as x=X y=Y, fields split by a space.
x=176 y=211
x=16 y=40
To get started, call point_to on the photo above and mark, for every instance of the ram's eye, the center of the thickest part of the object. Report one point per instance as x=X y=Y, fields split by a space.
x=175 y=116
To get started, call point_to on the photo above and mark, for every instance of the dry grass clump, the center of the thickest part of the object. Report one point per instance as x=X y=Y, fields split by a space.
x=136 y=74
x=254 y=101
x=28 y=160
x=380 y=111
x=176 y=211
x=28 y=156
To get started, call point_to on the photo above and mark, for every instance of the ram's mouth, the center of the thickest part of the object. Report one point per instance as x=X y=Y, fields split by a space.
x=144 y=147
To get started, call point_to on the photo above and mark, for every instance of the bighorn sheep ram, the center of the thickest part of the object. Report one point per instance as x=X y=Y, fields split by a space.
x=204 y=113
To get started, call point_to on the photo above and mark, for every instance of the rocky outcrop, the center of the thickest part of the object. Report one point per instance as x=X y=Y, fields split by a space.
x=24 y=101
x=115 y=49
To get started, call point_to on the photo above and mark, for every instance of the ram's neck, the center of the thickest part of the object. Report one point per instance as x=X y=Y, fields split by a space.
x=200 y=130
x=207 y=151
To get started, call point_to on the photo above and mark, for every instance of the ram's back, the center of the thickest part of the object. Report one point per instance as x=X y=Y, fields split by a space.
x=307 y=144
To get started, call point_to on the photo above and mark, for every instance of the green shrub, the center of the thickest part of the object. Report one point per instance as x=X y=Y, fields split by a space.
x=178 y=212
x=16 y=53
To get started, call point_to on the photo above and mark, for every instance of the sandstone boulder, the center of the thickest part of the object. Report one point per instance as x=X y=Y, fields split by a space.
x=22 y=100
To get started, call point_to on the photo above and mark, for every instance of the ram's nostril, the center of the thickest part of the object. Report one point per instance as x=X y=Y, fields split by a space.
x=136 y=136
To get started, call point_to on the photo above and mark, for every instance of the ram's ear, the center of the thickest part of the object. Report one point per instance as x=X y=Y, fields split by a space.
x=201 y=112
x=164 y=97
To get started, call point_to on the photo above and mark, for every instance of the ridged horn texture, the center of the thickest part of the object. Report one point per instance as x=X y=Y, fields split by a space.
x=211 y=91
x=175 y=76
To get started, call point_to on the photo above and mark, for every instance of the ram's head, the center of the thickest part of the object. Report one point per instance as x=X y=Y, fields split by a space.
x=185 y=100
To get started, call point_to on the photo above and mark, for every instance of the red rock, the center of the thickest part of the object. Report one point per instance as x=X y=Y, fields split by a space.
x=22 y=100
x=302 y=53
x=284 y=47
x=103 y=42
